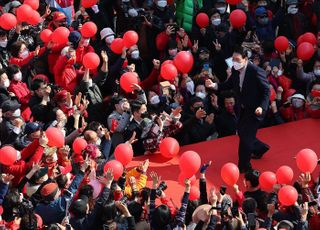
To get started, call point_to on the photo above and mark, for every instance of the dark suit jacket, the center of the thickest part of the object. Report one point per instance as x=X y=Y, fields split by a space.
x=255 y=89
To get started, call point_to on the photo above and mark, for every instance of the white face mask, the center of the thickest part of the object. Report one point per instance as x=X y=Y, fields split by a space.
x=221 y=10
x=216 y=21
x=155 y=100
x=173 y=52
x=297 y=103
x=4 y=43
x=292 y=9
x=109 y=39
x=16 y=113
x=24 y=54
x=86 y=42
x=162 y=3
x=279 y=73
x=190 y=87
x=201 y=95
x=135 y=54
x=6 y=83
x=237 y=65
x=316 y=72
x=17 y=76
x=249 y=53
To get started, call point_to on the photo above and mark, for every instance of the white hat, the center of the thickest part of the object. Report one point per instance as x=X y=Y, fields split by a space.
x=106 y=32
x=297 y=95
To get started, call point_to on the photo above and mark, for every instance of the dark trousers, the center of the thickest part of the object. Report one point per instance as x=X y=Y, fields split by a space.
x=247 y=130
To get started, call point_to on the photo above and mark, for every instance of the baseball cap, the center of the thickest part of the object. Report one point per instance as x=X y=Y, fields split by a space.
x=49 y=189
x=203 y=50
x=32 y=127
x=10 y=105
x=261 y=11
x=57 y=16
x=106 y=32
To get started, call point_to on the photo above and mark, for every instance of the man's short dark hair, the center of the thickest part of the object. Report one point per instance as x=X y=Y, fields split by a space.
x=242 y=51
x=36 y=83
x=249 y=205
x=253 y=177
x=136 y=106
x=227 y=94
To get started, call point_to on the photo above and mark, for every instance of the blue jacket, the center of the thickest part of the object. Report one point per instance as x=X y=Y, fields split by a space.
x=3 y=191
x=55 y=211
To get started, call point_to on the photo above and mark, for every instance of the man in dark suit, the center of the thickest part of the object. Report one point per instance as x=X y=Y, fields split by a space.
x=251 y=86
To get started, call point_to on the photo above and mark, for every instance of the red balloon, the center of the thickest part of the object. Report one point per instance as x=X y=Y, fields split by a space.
x=182 y=178
x=89 y=29
x=230 y=174
x=130 y=38
x=194 y=193
x=300 y=39
x=45 y=35
x=35 y=18
x=91 y=60
x=60 y=35
x=288 y=195
x=183 y=61
x=169 y=72
x=126 y=81
x=284 y=175
x=79 y=144
x=88 y=3
x=24 y=12
x=202 y=20
x=169 y=147
x=167 y=62
x=8 y=155
x=305 y=51
x=123 y=153
x=189 y=163
x=8 y=21
x=33 y=3
x=233 y=2
x=267 y=180
x=281 y=43
x=116 y=167
x=55 y=137
x=238 y=18
x=307 y=160
x=309 y=37
x=117 y=45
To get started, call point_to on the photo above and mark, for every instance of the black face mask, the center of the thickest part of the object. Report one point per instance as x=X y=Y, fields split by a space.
x=144 y=115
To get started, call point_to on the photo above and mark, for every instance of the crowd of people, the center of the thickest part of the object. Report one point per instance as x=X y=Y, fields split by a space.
x=46 y=85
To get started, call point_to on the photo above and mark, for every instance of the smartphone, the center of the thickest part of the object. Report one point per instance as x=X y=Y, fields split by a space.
x=206 y=67
x=223 y=190
x=235 y=211
x=251 y=220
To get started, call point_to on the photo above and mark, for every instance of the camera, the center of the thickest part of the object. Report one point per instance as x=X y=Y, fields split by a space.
x=162 y=187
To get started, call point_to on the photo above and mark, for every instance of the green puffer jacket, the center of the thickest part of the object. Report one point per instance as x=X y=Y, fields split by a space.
x=185 y=10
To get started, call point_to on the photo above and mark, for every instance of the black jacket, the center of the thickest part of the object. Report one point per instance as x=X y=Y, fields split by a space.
x=255 y=89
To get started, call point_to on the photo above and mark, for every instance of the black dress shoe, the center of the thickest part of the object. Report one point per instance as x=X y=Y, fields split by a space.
x=258 y=154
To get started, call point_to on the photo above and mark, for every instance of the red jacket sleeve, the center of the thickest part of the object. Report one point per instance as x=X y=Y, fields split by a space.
x=151 y=80
x=29 y=150
x=239 y=198
x=162 y=40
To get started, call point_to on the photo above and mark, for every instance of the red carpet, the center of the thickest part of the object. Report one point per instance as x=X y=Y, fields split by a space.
x=285 y=141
